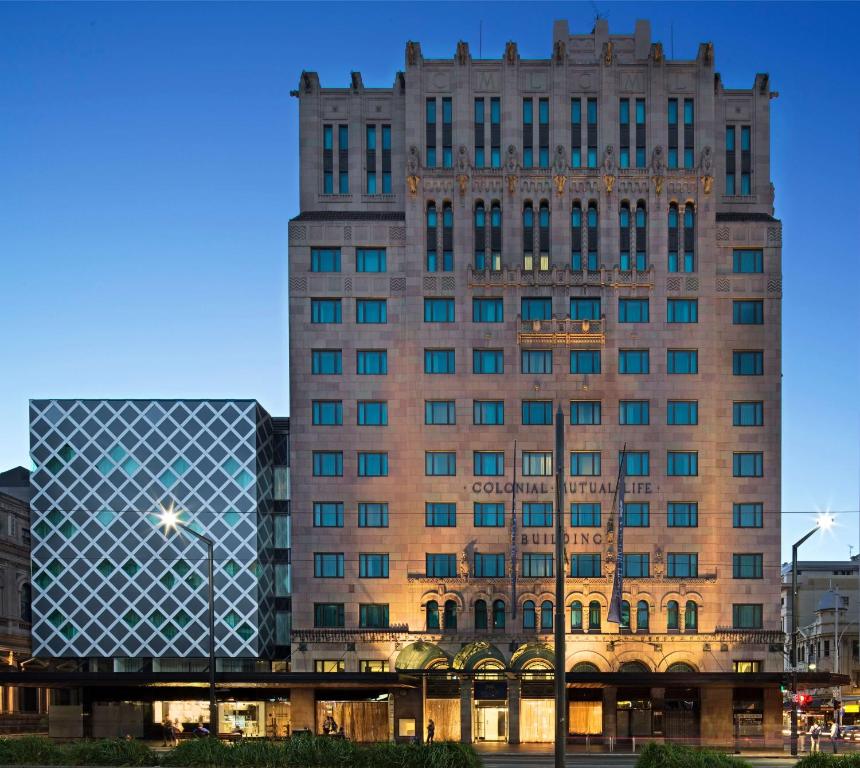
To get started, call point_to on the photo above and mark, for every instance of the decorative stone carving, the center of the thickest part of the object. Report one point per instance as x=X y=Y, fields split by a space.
x=559 y=163
x=657 y=52
x=560 y=180
x=463 y=165
x=609 y=167
x=511 y=52
x=464 y=566
x=512 y=184
x=658 y=168
x=607 y=53
x=412 y=181
x=411 y=53
x=413 y=163
x=709 y=53
x=462 y=181
x=559 y=51
x=659 y=566
x=512 y=162
x=707 y=184
x=706 y=163
x=462 y=52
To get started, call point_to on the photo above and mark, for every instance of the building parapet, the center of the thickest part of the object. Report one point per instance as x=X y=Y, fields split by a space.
x=605 y=277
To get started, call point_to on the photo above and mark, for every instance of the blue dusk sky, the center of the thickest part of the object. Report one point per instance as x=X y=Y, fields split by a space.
x=148 y=170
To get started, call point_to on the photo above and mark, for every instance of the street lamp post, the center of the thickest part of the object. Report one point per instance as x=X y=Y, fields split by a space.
x=171 y=522
x=823 y=522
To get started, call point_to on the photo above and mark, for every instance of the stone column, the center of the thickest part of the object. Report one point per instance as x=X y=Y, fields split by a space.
x=716 y=727
x=514 y=696
x=610 y=698
x=773 y=718
x=302 y=709
x=466 y=710
x=658 y=704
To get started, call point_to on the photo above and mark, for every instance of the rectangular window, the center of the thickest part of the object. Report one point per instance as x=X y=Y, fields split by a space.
x=746 y=160
x=585 y=412
x=489 y=566
x=730 y=160
x=536 y=361
x=536 y=308
x=327 y=413
x=537 y=463
x=480 y=158
x=488 y=361
x=584 y=309
x=632 y=361
x=328 y=463
x=487 y=311
x=326 y=362
x=439 y=361
x=373 y=665
x=328 y=514
x=637 y=514
x=438 y=310
x=748 y=312
x=537 y=514
x=373 y=615
x=747 y=515
x=747 y=260
x=591 y=109
x=747 y=566
x=748 y=414
x=325 y=259
x=537 y=565
x=372 y=413
x=747 y=616
x=682 y=361
x=682 y=565
x=748 y=464
x=372 y=464
x=325 y=311
x=746 y=667
x=576 y=133
x=372 y=566
x=370 y=260
x=386 y=159
x=528 y=133
x=430 y=132
x=624 y=133
x=325 y=666
x=689 y=135
x=682 y=514
x=682 y=310
x=488 y=412
x=440 y=515
x=488 y=515
x=496 y=132
x=682 y=412
x=672 y=159
x=641 y=159
x=585 y=566
x=371 y=311
x=343 y=159
x=440 y=463
x=748 y=362
x=328 y=615
x=634 y=412
x=372 y=362
x=441 y=566
x=585 y=515
x=373 y=514
x=585 y=463
x=440 y=412
x=447 y=118
x=537 y=412
x=370 y=158
x=328 y=565
x=585 y=361
x=489 y=463
x=635 y=565
x=682 y=463
x=632 y=310
x=543 y=133
x=636 y=463
x=328 y=159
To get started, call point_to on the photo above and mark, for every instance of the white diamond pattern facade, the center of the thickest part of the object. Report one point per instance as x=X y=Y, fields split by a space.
x=107 y=581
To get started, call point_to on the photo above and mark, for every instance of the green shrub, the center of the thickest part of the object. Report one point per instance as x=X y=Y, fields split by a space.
x=829 y=760
x=677 y=756
x=33 y=750
x=108 y=752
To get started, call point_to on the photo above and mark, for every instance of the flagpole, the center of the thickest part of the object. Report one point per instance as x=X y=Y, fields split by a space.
x=514 y=540
x=560 y=664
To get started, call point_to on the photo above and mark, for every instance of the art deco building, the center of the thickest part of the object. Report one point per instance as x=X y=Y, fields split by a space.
x=478 y=244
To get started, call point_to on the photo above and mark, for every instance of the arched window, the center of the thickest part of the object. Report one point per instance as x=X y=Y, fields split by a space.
x=624 y=236
x=576 y=237
x=480 y=614
x=528 y=236
x=585 y=666
x=480 y=236
x=450 y=614
x=691 y=616
x=546 y=615
x=689 y=238
x=673 y=238
x=633 y=666
x=680 y=666
x=543 y=235
x=26 y=602
x=529 y=617
x=495 y=236
x=625 y=615
x=642 y=616
x=672 y=615
x=576 y=616
x=447 y=237
x=498 y=614
x=641 y=237
x=593 y=261
x=432 y=616
x=594 y=615
x=432 y=227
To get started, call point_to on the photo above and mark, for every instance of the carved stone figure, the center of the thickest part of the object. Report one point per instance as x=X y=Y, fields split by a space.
x=511 y=52
x=560 y=180
x=462 y=52
x=462 y=181
x=707 y=162
x=609 y=159
x=412 y=181
x=657 y=52
x=413 y=161
x=707 y=184
x=659 y=567
x=559 y=51
x=658 y=162
x=607 y=53
x=559 y=163
x=464 y=566
x=411 y=54
x=512 y=161
x=463 y=165
x=709 y=53
x=512 y=184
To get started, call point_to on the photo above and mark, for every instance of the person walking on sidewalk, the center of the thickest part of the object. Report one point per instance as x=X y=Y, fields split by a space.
x=834 y=735
x=814 y=736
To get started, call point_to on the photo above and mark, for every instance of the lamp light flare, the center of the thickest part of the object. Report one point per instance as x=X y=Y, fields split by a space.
x=168 y=519
x=825 y=521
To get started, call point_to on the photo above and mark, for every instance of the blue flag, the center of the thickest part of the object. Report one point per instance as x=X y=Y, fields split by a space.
x=614 y=612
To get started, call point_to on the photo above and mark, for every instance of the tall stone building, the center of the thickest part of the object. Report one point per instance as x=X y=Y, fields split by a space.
x=479 y=244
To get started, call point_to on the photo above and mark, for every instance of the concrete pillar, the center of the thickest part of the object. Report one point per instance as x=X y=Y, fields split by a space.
x=303 y=709
x=773 y=718
x=514 y=691
x=610 y=699
x=658 y=705
x=466 y=710
x=716 y=725
x=408 y=704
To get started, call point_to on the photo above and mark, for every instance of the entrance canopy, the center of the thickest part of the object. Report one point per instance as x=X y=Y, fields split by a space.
x=529 y=652
x=473 y=654
x=421 y=655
